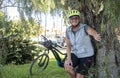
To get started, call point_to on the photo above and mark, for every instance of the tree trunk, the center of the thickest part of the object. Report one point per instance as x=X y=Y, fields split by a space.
x=106 y=64
x=105 y=59
x=105 y=53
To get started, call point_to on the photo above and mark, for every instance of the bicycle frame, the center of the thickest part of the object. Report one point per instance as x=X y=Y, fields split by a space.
x=56 y=53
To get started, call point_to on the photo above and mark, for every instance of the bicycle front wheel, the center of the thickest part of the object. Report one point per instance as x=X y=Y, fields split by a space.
x=39 y=64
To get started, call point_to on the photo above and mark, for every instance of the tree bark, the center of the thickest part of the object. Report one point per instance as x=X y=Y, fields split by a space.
x=106 y=64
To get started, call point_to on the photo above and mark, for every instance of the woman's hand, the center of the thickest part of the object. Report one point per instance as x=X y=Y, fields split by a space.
x=93 y=33
x=97 y=37
x=68 y=65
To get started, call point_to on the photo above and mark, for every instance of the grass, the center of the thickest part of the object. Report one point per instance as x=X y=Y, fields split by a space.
x=22 y=71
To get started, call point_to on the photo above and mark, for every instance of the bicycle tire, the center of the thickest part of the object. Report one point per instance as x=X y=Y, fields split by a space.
x=39 y=64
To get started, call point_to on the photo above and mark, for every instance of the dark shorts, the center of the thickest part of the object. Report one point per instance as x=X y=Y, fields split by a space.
x=81 y=65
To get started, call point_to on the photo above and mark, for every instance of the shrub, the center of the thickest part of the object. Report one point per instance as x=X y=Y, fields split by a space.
x=18 y=51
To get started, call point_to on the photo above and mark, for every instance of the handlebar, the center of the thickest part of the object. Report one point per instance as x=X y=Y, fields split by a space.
x=48 y=43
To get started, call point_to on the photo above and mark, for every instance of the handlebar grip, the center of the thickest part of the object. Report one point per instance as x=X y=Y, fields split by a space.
x=44 y=38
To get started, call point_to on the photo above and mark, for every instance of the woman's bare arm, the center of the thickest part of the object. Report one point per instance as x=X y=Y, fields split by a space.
x=68 y=49
x=93 y=33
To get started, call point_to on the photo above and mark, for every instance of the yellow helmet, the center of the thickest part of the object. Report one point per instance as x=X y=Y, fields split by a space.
x=73 y=12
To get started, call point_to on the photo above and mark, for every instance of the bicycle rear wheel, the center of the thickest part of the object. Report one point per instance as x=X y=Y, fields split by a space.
x=39 y=64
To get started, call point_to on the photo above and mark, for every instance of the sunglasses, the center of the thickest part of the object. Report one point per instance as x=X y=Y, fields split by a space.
x=74 y=18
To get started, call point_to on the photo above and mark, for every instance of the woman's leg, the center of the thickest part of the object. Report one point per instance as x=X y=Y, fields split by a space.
x=70 y=70
x=79 y=76
x=71 y=74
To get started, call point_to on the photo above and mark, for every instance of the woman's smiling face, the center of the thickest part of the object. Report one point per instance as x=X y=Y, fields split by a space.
x=74 y=20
